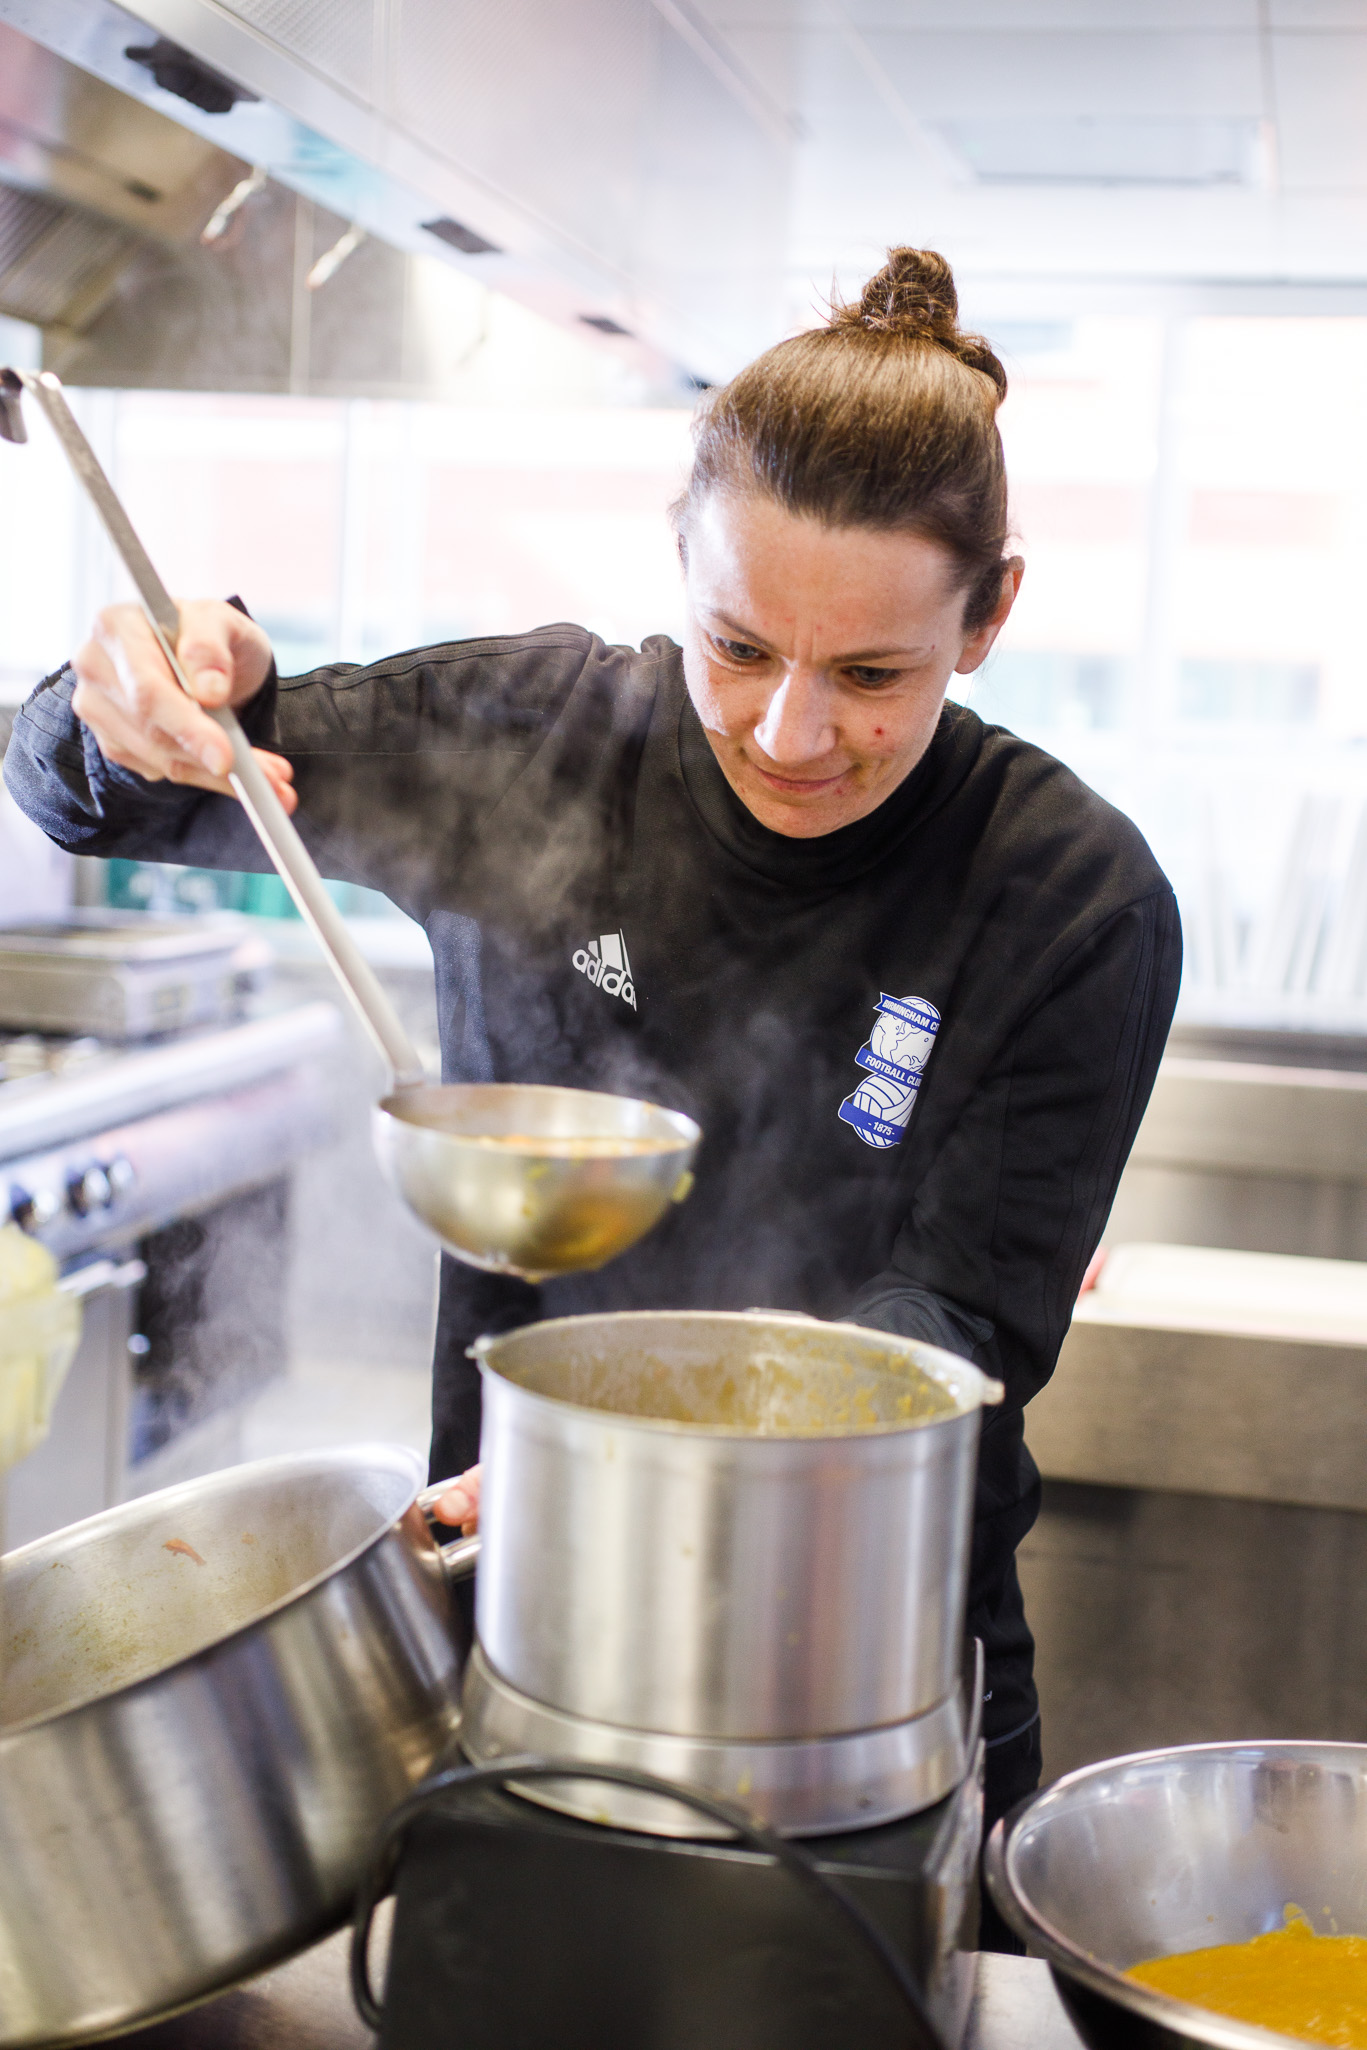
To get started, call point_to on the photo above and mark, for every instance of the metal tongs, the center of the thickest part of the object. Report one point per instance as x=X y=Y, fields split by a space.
x=274 y=827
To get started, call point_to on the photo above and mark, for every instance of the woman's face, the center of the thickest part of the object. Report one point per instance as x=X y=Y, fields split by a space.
x=817 y=658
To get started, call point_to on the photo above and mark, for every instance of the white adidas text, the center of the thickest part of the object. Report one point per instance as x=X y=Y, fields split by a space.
x=605 y=963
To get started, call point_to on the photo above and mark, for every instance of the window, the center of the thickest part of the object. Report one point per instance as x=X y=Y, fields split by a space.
x=1189 y=497
x=1249 y=693
x=1042 y=691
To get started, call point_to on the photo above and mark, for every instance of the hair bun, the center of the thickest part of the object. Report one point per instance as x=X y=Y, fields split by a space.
x=914 y=290
x=914 y=295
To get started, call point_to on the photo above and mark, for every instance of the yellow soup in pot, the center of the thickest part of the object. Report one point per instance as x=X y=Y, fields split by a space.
x=1310 y=1987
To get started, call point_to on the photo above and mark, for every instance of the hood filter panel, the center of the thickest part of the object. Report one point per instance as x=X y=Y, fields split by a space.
x=56 y=262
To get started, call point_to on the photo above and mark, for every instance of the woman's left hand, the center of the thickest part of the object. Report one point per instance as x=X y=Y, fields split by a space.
x=459 y=1506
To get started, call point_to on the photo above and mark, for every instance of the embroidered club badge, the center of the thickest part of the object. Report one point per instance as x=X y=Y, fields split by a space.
x=895 y=1056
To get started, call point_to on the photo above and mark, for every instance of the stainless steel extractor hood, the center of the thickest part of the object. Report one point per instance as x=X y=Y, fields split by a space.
x=90 y=181
x=104 y=204
x=612 y=165
x=150 y=256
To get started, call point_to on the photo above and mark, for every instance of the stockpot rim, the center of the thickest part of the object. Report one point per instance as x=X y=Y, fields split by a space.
x=1064 y=1956
x=934 y=1360
x=339 y=1456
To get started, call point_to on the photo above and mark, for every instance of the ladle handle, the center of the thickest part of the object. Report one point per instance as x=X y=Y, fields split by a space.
x=274 y=827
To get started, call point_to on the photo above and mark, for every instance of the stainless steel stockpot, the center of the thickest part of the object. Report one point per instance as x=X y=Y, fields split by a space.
x=213 y=1696
x=726 y=1526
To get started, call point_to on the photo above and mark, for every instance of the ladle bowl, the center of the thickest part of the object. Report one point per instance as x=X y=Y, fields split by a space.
x=527 y=1179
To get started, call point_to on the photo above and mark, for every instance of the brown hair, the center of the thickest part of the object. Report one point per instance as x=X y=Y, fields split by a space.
x=884 y=418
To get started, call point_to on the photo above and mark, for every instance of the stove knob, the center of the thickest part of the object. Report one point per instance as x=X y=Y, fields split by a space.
x=122 y=1175
x=89 y=1190
x=32 y=1209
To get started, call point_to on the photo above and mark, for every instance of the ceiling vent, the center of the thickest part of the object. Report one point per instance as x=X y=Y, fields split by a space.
x=456 y=235
x=1083 y=150
x=176 y=71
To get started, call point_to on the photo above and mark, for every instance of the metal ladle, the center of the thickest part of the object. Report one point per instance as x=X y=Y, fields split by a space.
x=514 y=1177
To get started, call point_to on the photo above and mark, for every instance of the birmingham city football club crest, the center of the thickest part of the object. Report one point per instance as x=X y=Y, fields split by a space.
x=895 y=1056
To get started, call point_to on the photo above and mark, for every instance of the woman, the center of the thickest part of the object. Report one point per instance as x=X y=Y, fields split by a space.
x=912 y=978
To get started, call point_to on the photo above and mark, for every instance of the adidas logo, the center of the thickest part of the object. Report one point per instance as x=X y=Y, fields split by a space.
x=606 y=965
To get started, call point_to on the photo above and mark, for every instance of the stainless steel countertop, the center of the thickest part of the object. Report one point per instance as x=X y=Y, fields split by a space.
x=302 y=2005
x=1015 y=2007
x=306 y=2005
x=1250 y=1117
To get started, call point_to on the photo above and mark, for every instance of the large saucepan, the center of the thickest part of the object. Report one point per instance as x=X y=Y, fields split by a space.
x=213 y=1697
x=729 y=1549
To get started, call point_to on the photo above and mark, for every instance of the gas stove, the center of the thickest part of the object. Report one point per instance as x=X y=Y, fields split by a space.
x=101 y=1142
x=151 y=1168
x=31 y=1059
x=143 y=1072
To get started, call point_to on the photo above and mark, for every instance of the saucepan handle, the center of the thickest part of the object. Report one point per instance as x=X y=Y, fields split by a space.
x=461 y=1556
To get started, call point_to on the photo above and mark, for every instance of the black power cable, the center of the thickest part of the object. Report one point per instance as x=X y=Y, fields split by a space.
x=831 y=1897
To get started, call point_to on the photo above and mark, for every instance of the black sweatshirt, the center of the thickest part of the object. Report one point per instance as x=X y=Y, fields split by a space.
x=919 y=1047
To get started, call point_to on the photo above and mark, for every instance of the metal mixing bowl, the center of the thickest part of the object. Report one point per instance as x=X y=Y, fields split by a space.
x=1177 y=1850
x=535 y=1208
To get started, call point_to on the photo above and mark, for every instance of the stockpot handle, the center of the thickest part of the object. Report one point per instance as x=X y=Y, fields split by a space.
x=461 y=1556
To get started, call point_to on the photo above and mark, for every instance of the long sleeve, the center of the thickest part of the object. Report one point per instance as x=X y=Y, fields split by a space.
x=396 y=764
x=892 y=1303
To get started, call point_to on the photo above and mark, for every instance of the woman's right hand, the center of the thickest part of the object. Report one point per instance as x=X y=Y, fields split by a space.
x=142 y=719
